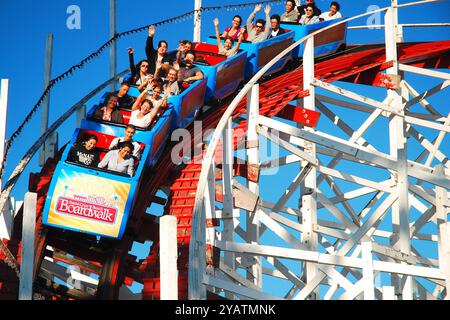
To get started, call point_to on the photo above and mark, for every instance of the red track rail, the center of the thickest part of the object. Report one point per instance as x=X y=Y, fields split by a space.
x=118 y=266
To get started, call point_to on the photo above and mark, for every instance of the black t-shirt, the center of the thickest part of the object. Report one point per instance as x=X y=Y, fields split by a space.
x=126 y=101
x=79 y=154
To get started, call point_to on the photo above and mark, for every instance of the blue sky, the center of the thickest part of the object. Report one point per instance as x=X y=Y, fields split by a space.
x=24 y=25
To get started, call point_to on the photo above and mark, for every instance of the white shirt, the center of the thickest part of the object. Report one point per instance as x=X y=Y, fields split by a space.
x=110 y=160
x=142 y=122
x=137 y=146
x=326 y=16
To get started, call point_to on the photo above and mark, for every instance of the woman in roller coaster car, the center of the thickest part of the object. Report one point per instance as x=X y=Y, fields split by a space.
x=302 y=9
x=130 y=130
x=84 y=153
x=183 y=48
x=155 y=96
x=227 y=48
x=187 y=72
x=235 y=31
x=109 y=112
x=143 y=112
x=140 y=74
x=170 y=84
x=309 y=17
x=120 y=160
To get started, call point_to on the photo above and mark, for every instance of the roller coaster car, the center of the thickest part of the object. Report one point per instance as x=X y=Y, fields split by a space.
x=224 y=75
x=260 y=53
x=89 y=199
x=326 y=42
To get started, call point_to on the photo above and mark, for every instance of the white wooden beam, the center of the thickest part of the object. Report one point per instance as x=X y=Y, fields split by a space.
x=253 y=228
x=168 y=257
x=28 y=236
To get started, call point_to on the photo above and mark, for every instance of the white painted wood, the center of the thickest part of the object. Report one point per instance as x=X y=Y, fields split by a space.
x=197 y=20
x=388 y=293
x=368 y=278
x=80 y=115
x=44 y=154
x=4 y=88
x=425 y=72
x=168 y=257
x=444 y=255
x=237 y=289
x=227 y=177
x=414 y=169
x=28 y=236
x=7 y=221
x=253 y=229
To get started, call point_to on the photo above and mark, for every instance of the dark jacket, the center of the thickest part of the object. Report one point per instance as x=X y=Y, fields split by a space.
x=79 y=154
x=280 y=32
x=301 y=10
x=116 y=116
x=152 y=55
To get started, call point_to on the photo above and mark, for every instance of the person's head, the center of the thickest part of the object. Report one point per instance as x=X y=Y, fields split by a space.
x=309 y=1
x=275 y=21
x=125 y=149
x=334 y=7
x=123 y=90
x=143 y=66
x=290 y=5
x=309 y=10
x=259 y=26
x=189 y=58
x=112 y=101
x=130 y=130
x=237 y=21
x=146 y=106
x=162 y=47
x=172 y=75
x=187 y=45
x=156 y=91
x=90 y=142
x=228 y=43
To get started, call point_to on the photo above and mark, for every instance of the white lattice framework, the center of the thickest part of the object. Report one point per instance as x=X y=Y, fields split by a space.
x=370 y=223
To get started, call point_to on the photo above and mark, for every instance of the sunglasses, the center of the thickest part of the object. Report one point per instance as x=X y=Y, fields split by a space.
x=260 y=27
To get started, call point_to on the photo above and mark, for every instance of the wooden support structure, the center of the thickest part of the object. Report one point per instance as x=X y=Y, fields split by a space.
x=28 y=232
x=168 y=257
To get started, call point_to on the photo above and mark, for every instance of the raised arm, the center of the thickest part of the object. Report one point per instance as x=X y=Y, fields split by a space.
x=137 y=103
x=149 y=48
x=252 y=16
x=216 y=26
x=241 y=37
x=131 y=58
x=268 y=28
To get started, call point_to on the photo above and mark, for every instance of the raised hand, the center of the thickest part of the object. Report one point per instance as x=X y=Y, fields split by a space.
x=151 y=31
x=242 y=31
x=130 y=50
x=216 y=22
x=257 y=8
x=176 y=65
x=267 y=10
